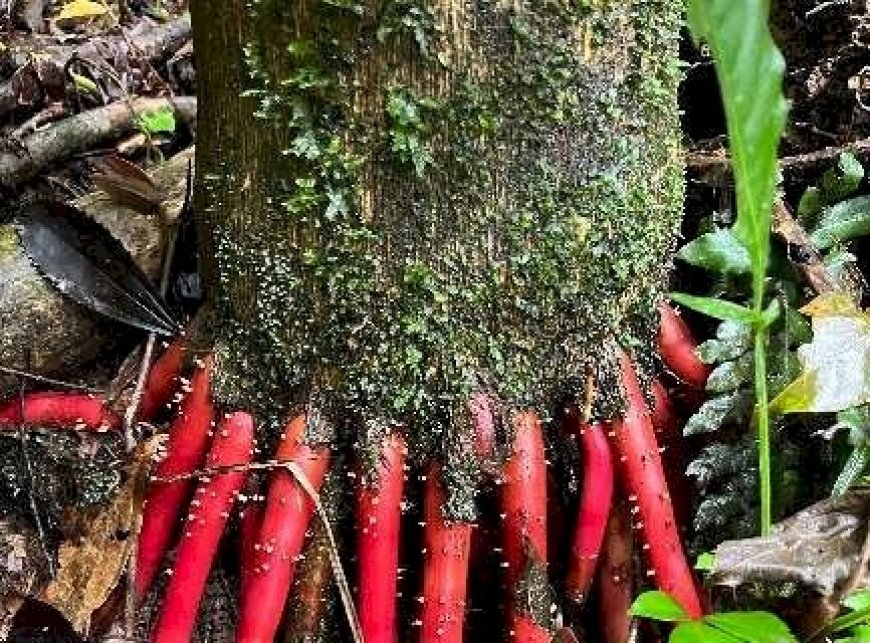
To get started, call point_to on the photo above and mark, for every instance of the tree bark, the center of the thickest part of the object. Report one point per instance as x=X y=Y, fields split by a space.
x=407 y=200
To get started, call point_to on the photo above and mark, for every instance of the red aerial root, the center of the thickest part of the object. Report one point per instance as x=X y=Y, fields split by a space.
x=285 y=520
x=59 y=410
x=644 y=479
x=445 y=568
x=595 y=501
x=677 y=348
x=209 y=511
x=379 y=514
x=185 y=452
x=162 y=379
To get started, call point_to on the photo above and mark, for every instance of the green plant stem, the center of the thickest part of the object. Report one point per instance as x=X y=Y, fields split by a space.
x=762 y=418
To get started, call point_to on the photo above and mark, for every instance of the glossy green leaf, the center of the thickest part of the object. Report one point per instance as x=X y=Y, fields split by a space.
x=718 y=308
x=719 y=251
x=752 y=627
x=842 y=222
x=698 y=632
x=750 y=70
x=659 y=606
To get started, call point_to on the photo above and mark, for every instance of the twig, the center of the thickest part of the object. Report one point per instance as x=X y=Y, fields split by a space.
x=721 y=159
x=48 y=380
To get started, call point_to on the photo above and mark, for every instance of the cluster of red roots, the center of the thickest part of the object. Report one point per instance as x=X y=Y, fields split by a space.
x=622 y=470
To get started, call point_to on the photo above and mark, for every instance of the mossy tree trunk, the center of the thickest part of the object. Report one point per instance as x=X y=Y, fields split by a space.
x=404 y=201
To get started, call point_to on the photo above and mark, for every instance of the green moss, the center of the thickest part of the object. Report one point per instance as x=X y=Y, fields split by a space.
x=533 y=233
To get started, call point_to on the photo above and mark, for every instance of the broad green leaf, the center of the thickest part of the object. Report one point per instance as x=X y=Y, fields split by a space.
x=842 y=222
x=750 y=70
x=78 y=9
x=836 y=364
x=752 y=627
x=698 y=632
x=157 y=121
x=859 y=600
x=659 y=606
x=718 y=251
x=718 y=308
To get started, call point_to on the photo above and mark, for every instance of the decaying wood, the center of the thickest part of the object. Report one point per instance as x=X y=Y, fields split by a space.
x=40 y=61
x=80 y=133
x=48 y=335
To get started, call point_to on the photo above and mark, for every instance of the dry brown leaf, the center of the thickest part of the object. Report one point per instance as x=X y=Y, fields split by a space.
x=90 y=566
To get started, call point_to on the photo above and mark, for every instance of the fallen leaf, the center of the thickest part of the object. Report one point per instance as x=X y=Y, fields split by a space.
x=836 y=364
x=24 y=569
x=90 y=566
x=819 y=548
x=80 y=9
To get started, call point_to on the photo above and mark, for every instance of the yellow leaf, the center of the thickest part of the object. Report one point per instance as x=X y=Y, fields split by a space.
x=78 y=9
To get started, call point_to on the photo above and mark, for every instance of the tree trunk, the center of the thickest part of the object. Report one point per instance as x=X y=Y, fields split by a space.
x=410 y=200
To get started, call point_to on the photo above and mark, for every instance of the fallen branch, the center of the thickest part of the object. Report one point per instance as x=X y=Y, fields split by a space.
x=81 y=133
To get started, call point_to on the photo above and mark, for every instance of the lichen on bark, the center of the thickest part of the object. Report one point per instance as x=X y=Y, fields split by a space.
x=435 y=196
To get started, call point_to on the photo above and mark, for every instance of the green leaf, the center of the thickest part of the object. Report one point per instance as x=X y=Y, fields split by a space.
x=718 y=251
x=705 y=561
x=809 y=207
x=157 y=121
x=731 y=375
x=752 y=627
x=859 y=600
x=698 y=632
x=750 y=70
x=718 y=308
x=852 y=471
x=659 y=606
x=842 y=222
x=716 y=411
x=843 y=180
x=733 y=339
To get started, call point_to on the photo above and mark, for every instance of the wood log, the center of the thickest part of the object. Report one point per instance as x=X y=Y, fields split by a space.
x=48 y=335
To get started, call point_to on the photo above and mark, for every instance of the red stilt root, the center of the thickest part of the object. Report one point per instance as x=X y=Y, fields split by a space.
x=615 y=579
x=445 y=568
x=379 y=514
x=285 y=520
x=59 y=410
x=644 y=479
x=677 y=348
x=162 y=379
x=595 y=501
x=185 y=452
x=209 y=511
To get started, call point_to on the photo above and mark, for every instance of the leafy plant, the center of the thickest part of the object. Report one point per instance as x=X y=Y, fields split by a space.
x=156 y=121
x=750 y=70
x=722 y=627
